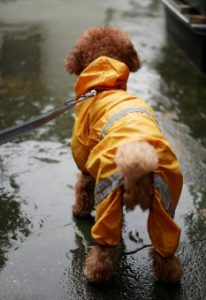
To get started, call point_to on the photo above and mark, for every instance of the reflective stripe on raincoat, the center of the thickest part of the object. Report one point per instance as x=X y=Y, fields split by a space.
x=104 y=122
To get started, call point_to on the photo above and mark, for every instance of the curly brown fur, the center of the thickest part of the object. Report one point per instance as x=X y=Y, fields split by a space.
x=136 y=162
x=102 y=41
x=168 y=270
x=84 y=191
x=100 y=263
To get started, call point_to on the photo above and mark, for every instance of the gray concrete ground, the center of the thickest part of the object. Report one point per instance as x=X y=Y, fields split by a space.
x=42 y=246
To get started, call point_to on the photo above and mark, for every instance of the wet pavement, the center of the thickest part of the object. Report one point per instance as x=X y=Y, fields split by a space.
x=41 y=245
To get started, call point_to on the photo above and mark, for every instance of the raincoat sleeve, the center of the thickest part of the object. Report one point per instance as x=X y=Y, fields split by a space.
x=164 y=232
x=108 y=194
x=80 y=151
x=107 y=229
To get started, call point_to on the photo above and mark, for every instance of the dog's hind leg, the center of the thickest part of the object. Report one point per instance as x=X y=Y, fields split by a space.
x=136 y=162
x=168 y=270
x=84 y=192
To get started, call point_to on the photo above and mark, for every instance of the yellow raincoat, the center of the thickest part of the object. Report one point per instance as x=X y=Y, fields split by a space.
x=104 y=122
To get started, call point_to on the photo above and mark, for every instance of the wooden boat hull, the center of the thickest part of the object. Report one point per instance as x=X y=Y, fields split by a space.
x=199 y=5
x=192 y=39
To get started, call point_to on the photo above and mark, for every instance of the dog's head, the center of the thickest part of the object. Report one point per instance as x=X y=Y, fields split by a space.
x=102 y=41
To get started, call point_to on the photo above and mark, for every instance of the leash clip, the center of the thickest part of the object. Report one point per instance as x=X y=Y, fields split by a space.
x=72 y=102
x=89 y=94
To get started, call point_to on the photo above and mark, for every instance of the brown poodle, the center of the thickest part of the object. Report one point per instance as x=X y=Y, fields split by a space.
x=123 y=156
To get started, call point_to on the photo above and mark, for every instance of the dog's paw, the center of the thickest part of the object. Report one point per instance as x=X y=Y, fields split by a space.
x=168 y=270
x=100 y=263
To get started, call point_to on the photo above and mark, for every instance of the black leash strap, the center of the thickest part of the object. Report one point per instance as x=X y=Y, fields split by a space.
x=11 y=132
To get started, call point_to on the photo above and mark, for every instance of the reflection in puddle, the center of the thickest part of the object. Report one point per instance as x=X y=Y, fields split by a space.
x=20 y=73
x=15 y=226
x=185 y=86
x=29 y=192
x=23 y=90
x=20 y=54
x=196 y=219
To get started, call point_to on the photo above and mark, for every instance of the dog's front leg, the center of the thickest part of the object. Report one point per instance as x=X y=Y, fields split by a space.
x=84 y=192
x=100 y=263
x=102 y=259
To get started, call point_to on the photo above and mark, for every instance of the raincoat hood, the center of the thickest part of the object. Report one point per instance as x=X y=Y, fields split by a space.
x=104 y=72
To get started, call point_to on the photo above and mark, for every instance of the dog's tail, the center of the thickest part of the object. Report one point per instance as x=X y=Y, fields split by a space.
x=136 y=161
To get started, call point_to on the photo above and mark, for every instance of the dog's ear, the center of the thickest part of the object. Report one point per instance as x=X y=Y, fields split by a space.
x=68 y=66
x=135 y=63
x=72 y=63
x=130 y=56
